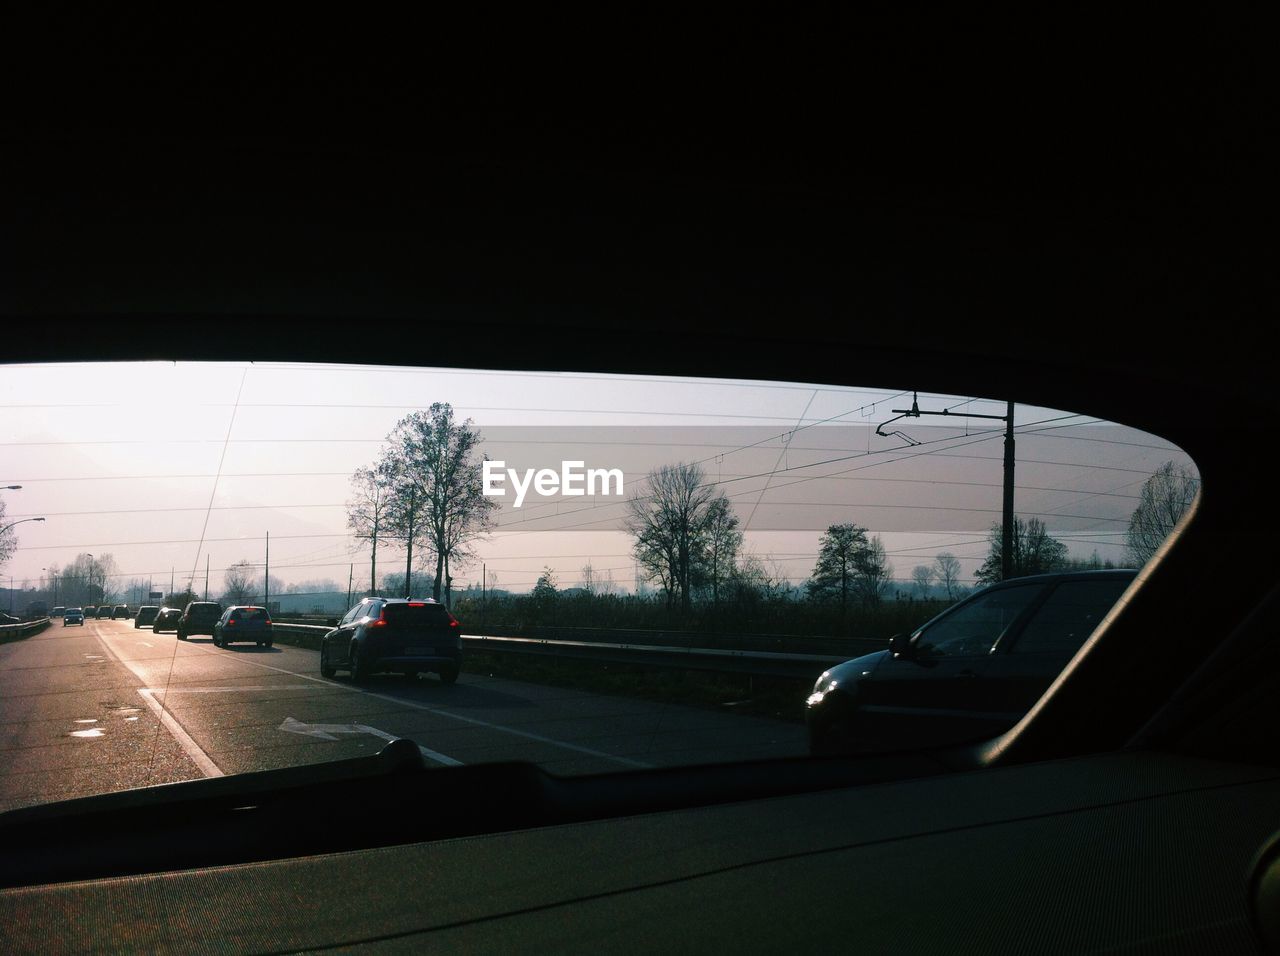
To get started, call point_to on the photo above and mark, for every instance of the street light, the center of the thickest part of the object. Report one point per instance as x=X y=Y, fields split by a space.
x=16 y=523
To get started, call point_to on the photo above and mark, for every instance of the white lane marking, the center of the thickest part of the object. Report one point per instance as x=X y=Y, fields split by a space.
x=189 y=746
x=161 y=691
x=626 y=761
x=144 y=644
x=329 y=732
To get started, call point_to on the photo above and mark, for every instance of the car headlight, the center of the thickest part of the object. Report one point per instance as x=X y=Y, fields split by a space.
x=825 y=684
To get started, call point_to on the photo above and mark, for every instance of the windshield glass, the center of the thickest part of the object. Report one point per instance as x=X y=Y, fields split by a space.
x=628 y=571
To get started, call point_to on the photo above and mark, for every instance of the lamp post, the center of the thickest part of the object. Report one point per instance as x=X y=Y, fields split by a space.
x=16 y=523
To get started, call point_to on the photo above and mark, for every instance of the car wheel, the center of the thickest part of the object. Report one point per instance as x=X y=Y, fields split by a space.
x=326 y=669
x=449 y=675
x=358 y=666
x=266 y=643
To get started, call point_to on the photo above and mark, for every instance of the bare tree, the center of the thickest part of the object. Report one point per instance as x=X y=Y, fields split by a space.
x=438 y=490
x=724 y=539
x=669 y=517
x=874 y=573
x=946 y=568
x=8 y=537
x=240 y=583
x=588 y=578
x=604 y=583
x=369 y=506
x=922 y=577
x=1035 y=551
x=836 y=570
x=1166 y=496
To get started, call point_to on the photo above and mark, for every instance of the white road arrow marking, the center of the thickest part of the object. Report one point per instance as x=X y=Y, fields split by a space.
x=331 y=732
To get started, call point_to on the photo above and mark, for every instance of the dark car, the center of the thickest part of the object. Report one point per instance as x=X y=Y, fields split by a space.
x=121 y=611
x=58 y=611
x=73 y=615
x=243 y=623
x=146 y=615
x=167 y=619
x=394 y=634
x=104 y=612
x=199 y=618
x=90 y=611
x=970 y=673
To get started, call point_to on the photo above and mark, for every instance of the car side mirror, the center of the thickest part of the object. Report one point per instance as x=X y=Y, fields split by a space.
x=901 y=648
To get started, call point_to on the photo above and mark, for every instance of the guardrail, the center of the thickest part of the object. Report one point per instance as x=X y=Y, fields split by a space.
x=16 y=632
x=725 y=660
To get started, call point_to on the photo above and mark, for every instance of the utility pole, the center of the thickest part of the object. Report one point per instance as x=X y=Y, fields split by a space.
x=484 y=587
x=206 y=577
x=266 y=579
x=171 y=580
x=1006 y=529
x=1006 y=525
x=351 y=570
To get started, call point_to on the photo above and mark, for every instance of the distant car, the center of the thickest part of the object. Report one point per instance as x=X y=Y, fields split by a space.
x=146 y=616
x=104 y=612
x=394 y=634
x=970 y=673
x=121 y=611
x=58 y=612
x=73 y=615
x=167 y=619
x=199 y=617
x=7 y=619
x=90 y=611
x=243 y=623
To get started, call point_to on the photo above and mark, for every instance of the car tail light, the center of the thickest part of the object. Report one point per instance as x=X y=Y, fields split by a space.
x=382 y=619
x=230 y=621
x=453 y=621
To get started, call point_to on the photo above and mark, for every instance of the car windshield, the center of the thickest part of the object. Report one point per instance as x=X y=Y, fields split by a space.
x=611 y=572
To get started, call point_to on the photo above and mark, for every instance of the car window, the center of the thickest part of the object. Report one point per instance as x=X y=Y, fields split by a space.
x=1068 y=617
x=974 y=629
x=633 y=571
x=415 y=613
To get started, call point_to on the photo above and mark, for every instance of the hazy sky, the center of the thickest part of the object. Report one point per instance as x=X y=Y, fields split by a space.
x=161 y=464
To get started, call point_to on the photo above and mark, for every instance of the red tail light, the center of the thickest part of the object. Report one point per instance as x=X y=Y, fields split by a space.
x=453 y=621
x=382 y=619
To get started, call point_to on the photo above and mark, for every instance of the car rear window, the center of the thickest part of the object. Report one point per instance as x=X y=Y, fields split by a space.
x=250 y=614
x=415 y=614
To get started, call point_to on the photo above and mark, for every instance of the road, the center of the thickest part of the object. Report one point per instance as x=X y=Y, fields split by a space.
x=109 y=707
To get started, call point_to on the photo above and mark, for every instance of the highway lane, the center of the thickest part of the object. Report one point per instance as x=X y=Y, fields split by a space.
x=170 y=710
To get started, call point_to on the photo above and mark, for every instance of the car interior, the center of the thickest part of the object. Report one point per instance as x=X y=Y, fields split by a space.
x=1108 y=260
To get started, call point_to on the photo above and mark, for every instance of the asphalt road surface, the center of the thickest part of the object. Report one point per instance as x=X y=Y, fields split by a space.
x=107 y=707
